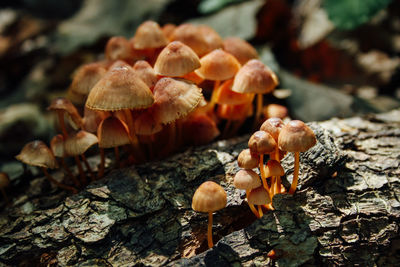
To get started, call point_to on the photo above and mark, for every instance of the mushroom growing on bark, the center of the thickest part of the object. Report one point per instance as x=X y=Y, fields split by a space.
x=209 y=197
x=296 y=137
x=247 y=180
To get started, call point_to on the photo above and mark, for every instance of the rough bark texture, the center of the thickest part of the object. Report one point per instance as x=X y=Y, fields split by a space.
x=346 y=210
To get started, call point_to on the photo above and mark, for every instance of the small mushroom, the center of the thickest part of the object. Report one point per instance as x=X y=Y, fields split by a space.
x=296 y=137
x=62 y=106
x=259 y=196
x=240 y=49
x=275 y=170
x=247 y=180
x=37 y=153
x=248 y=160
x=209 y=197
x=4 y=182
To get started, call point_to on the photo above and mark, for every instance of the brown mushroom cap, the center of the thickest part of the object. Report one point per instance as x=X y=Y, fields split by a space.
x=120 y=89
x=234 y=112
x=273 y=126
x=37 y=153
x=246 y=180
x=57 y=145
x=258 y=196
x=296 y=136
x=86 y=77
x=248 y=160
x=240 y=49
x=274 y=168
x=218 y=65
x=275 y=111
x=147 y=123
x=62 y=103
x=209 y=197
x=255 y=77
x=261 y=143
x=4 y=180
x=176 y=60
x=201 y=38
x=118 y=47
x=79 y=142
x=174 y=98
x=200 y=129
x=149 y=35
x=226 y=96
x=112 y=133
x=144 y=70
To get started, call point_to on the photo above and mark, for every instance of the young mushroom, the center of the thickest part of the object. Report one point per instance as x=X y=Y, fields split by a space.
x=209 y=197
x=36 y=153
x=259 y=196
x=296 y=137
x=4 y=182
x=247 y=180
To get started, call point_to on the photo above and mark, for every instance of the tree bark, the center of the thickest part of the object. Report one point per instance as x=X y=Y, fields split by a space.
x=345 y=211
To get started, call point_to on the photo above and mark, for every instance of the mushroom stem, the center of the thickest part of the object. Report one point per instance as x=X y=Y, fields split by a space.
x=209 y=230
x=258 y=110
x=89 y=169
x=3 y=192
x=60 y=115
x=57 y=183
x=102 y=163
x=134 y=139
x=214 y=95
x=260 y=211
x=252 y=208
x=69 y=172
x=171 y=140
x=117 y=160
x=295 y=172
x=262 y=171
x=80 y=169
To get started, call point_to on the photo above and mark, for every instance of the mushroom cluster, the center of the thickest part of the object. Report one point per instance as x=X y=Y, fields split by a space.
x=274 y=139
x=164 y=88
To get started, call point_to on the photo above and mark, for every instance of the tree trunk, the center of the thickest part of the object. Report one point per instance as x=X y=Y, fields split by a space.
x=346 y=209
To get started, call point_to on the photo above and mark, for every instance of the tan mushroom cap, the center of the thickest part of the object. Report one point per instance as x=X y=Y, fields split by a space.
x=144 y=70
x=255 y=77
x=79 y=142
x=168 y=30
x=201 y=38
x=120 y=89
x=63 y=104
x=200 y=129
x=248 y=160
x=149 y=35
x=262 y=143
x=118 y=47
x=273 y=126
x=274 y=168
x=218 y=65
x=240 y=49
x=225 y=95
x=275 y=111
x=176 y=60
x=258 y=196
x=4 y=180
x=112 y=133
x=296 y=136
x=86 y=77
x=57 y=145
x=209 y=197
x=246 y=180
x=147 y=122
x=37 y=153
x=92 y=118
x=174 y=98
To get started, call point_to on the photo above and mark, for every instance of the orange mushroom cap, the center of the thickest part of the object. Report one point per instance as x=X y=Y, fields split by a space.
x=118 y=47
x=176 y=60
x=240 y=49
x=248 y=160
x=261 y=143
x=246 y=180
x=225 y=95
x=86 y=77
x=199 y=129
x=147 y=123
x=274 y=168
x=149 y=35
x=273 y=126
x=255 y=77
x=144 y=70
x=258 y=196
x=275 y=111
x=209 y=197
x=218 y=65
x=296 y=136
x=79 y=142
x=112 y=133
x=37 y=153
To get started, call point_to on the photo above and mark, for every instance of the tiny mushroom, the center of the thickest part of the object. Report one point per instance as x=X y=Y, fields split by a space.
x=247 y=180
x=248 y=160
x=209 y=197
x=259 y=196
x=296 y=137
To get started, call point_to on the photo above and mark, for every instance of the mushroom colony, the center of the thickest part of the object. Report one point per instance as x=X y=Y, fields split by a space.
x=163 y=89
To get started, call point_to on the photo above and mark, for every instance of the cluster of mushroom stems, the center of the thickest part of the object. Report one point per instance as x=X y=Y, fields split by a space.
x=148 y=96
x=274 y=139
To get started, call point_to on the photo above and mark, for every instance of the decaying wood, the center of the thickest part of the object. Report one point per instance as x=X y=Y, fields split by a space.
x=346 y=210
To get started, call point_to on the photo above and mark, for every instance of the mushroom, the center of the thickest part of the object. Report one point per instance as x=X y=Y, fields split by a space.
x=119 y=48
x=4 y=182
x=296 y=137
x=247 y=180
x=36 y=153
x=111 y=133
x=275 y=170
x=199 y=129
x=168 y=29
x=209 y=197
x=259 y=196
x=248 y=160
x=76 y=145
x=240 y=49
x=144 y=70
x=62 y=105
x=262 y=143
x=275 y=111
x=255 y=77
x=176 y=60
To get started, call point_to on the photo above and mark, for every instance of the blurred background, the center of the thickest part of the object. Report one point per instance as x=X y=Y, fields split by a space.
x=334 y=58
